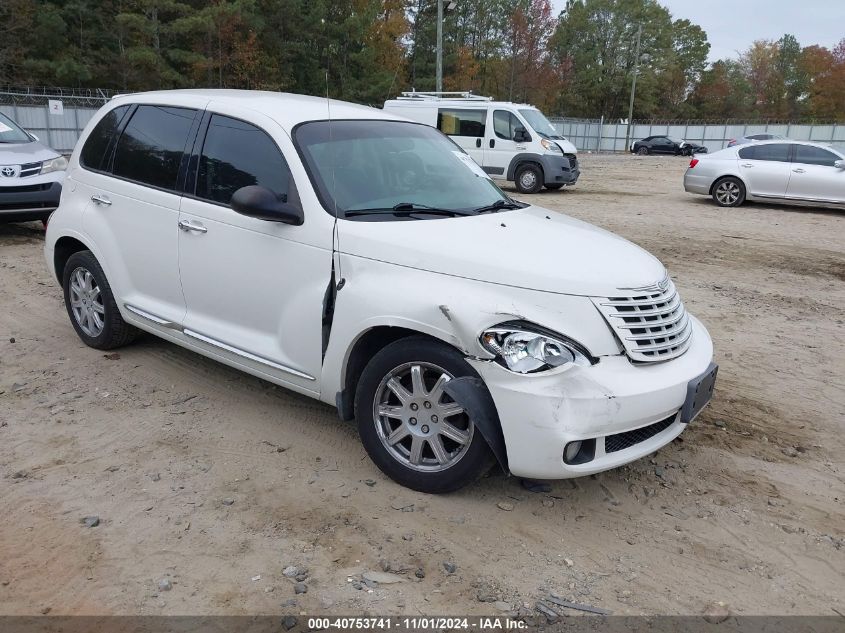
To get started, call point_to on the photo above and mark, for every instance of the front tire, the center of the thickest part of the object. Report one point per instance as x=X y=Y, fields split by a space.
x=642 y=151
x=729 y=192
x=529 y=178
x=91 y=306
x=413 y=431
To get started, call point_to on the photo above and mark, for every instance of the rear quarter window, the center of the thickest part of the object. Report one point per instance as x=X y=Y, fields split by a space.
x=93 y=154
x=149 y=151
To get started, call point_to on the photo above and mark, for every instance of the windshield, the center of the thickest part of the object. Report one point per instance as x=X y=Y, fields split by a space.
x=387 y=165
x=11 y=132
x=540 y=123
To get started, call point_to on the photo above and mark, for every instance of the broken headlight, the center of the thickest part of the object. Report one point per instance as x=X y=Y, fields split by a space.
x=524 y=350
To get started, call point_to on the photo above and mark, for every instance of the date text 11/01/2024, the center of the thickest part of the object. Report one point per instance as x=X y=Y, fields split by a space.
x=480 y=623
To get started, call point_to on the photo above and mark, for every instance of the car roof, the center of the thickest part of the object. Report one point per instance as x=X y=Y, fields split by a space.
x=287 y=109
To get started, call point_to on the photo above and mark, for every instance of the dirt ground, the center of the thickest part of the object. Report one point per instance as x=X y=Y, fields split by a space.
x=216 y=482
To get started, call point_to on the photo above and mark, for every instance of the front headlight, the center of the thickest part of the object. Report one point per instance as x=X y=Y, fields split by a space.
x=525 y=351
x=551 y=146
x=56 y=164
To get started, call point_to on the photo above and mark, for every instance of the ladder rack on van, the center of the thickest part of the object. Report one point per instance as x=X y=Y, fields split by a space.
x=436 y=96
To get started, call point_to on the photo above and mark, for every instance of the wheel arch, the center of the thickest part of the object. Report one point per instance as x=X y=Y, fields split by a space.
x=65 y=247
x=716 y=181
x=521 y=159
x=363 y=348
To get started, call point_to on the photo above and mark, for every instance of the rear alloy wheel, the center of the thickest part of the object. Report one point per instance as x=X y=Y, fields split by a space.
x=413 y=431
x=529 y=178
x=91 y=305
x=729 y=192
x=642 y=151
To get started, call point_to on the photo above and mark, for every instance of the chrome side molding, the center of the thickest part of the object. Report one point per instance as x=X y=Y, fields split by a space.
x=247 y=355
x=151 y=317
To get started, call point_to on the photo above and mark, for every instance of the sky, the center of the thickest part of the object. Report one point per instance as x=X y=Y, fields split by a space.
x=732 y=25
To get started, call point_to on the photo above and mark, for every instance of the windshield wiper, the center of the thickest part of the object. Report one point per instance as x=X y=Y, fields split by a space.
x=406 y=209
x=499 y=205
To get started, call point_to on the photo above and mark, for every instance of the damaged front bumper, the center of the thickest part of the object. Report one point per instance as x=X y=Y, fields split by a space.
x=619 y=410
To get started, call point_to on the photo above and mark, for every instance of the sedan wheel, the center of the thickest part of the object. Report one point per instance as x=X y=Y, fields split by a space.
x=729 y=192
x=418 y=424
x=86 y=302
x=642 y=151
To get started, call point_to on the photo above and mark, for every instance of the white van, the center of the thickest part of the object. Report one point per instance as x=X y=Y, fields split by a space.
x=364 y=260
x=510 y=141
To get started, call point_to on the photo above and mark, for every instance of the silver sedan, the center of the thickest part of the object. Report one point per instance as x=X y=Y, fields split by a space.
x=792 y=172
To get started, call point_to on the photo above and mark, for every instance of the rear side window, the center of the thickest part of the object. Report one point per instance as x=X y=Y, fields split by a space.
x=93 y=154
x=778 y=152
x=504 y=124
x=809 y=155
x=150 y=149
x=461 y=122
x=237 y=154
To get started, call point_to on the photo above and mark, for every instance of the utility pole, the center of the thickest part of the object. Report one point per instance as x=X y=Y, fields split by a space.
x=633 y=88
x=439 y=46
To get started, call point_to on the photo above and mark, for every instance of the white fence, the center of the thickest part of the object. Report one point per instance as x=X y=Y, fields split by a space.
x=59 y=131
x=593 y=135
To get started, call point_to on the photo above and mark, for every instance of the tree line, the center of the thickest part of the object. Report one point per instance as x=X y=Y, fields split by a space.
x=578 y=63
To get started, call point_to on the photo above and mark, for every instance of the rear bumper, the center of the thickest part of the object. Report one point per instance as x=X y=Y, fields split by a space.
x=24 y=201
x=694 y=183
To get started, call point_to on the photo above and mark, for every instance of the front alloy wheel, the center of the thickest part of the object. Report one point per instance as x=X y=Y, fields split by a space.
x=412 y=430
x=418 y=424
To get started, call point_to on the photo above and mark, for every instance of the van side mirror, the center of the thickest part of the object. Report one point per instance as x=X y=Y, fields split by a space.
x=259 y=202
x=521 y=135
x=840 y=164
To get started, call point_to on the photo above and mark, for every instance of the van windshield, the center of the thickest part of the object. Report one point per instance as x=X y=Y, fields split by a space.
x=540 y=123
x=393 y=168
x=11 y=132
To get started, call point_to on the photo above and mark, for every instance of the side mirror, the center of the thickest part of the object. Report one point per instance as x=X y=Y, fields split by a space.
x=520 y=135
x=840 y=164
x=261 y=203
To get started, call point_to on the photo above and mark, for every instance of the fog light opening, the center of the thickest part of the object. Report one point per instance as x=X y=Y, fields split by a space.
x=579 y=452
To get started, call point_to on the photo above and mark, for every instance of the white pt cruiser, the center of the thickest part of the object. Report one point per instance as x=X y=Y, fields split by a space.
x=367 y=261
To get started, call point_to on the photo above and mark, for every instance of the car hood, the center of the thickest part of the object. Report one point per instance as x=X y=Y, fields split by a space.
x=530 y=248
x=22 y=153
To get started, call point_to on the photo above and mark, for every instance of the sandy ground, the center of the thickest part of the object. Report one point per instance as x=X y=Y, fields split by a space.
x=746 y=508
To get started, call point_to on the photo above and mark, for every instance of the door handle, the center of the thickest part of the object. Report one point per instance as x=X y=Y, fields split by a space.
x=478 y=142
x=492 y=143
x=188 y=226
x=98 y=199
x=798 y=171
x=747 y=165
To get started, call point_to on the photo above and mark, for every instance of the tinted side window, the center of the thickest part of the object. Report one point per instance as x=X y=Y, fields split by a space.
x=778 y=152
x=461 y=122
x=747 y=152
x=94 y=151
x=504 y=124
x=809 y=155
x=150 y=149
x=236 y=154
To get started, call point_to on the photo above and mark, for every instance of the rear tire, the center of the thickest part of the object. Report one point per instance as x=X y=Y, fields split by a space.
x=529 y=178
x=729 y=192
x=91 y=306
x=415 y=433
x=554 y=186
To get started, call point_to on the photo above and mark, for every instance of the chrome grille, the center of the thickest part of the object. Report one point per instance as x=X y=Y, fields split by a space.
x=651 y=322
x=30 y=169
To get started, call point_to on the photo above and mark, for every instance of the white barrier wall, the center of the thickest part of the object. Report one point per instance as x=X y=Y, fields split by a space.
x=593 y=135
